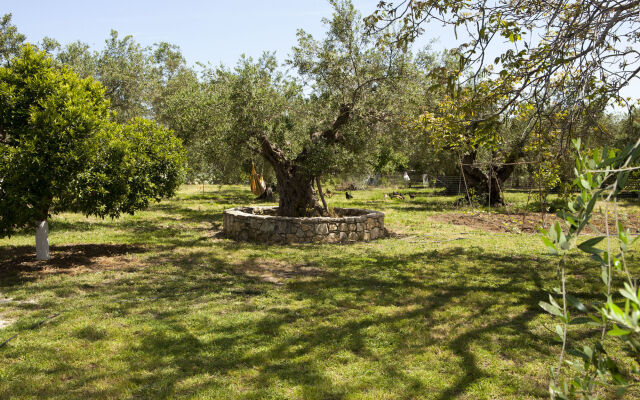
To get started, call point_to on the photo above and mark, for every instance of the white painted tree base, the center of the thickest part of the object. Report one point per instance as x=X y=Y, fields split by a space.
x=42 y=241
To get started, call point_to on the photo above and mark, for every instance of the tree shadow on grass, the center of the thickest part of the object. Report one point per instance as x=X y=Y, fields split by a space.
x=165 y=231
x=281 y=343
x=186 y=214
x=177 y=216
x=18 y=263
x=271 y=335
x=407 y=205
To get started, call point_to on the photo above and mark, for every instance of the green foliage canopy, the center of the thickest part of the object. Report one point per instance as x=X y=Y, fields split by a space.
x=59 y=151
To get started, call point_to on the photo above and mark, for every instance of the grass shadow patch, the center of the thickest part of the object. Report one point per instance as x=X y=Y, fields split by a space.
x=18 y=263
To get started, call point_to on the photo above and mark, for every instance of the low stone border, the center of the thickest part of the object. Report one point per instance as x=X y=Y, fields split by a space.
x=260 y=224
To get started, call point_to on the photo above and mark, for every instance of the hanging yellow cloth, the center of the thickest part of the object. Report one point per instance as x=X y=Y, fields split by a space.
x=254 y=187
x=257 y=183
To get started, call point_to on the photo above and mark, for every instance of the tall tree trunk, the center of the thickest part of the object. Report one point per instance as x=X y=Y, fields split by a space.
x=296 y=195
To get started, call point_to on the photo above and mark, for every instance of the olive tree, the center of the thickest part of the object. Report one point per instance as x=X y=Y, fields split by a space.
x=196 y=108
x=125 y=69
x=10 y=39
x=565 y=59
x=566 y=52
x=60 y=151
x=324 y=121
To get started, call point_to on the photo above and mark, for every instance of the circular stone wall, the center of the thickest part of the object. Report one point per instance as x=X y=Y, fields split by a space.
x=261 y=224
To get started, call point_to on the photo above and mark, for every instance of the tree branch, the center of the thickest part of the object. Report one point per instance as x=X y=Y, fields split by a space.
x=271 y=152
x=332 y=135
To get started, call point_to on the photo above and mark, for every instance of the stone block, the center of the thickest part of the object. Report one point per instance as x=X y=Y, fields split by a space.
x=282 y=226
x=238 y=226
x=372 y=223
x=322 y=229
x=267 y=226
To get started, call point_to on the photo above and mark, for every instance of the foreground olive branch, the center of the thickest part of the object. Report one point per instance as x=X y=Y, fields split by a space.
x=600 y=175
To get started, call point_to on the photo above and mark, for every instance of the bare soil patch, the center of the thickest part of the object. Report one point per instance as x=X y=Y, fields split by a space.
x=528 y=222
x=276 y=272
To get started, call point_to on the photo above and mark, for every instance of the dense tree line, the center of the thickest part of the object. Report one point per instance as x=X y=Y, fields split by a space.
x=352 y=101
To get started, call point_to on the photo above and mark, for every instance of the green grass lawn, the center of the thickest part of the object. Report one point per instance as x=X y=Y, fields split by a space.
x=159 y=305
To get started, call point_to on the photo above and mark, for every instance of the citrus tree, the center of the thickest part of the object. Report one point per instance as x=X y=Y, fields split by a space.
x=60 y=151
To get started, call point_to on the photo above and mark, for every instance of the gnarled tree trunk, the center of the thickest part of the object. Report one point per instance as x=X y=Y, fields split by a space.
x=296 y=195
x=295 y=183
x=489 y=186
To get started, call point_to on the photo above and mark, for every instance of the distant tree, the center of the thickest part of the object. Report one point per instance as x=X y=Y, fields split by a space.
x=416 y=95
x=49 y=45
x=78 y=56
x=194 y=104
x=168 y=61
x=155 y=82
x=10 y=39
x=124 y=68
x=59 y=150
